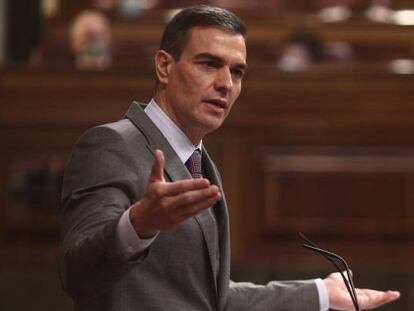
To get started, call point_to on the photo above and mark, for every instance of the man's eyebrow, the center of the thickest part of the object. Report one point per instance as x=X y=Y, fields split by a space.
x=218 y=59
x=208 y=56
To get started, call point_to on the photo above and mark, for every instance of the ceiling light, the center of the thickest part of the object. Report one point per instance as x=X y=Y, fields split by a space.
x=402 y=66
x=403 y=17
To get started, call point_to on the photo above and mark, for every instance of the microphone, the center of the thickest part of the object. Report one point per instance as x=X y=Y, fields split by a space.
x=333 y=258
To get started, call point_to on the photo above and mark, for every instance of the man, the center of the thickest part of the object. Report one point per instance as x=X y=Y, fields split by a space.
x=138 y=232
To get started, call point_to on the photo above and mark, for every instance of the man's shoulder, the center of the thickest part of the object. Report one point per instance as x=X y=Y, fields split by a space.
x=125 y=127
x=122 y=127
x=122 y=131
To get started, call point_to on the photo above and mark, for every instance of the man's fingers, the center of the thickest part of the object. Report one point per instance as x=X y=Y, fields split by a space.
x=194 y=209
x=157 y=172
x=167 y=212
x=178 y=187
x=370 y=299
x=183 y=202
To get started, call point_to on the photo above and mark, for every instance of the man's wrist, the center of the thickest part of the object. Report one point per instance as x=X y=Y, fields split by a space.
x=131 y=244
x=135 y=219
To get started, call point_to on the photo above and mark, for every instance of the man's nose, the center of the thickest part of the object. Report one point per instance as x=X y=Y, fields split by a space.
x=224 y=80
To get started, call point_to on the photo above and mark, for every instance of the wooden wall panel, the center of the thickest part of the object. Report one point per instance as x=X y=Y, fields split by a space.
x=338 y=193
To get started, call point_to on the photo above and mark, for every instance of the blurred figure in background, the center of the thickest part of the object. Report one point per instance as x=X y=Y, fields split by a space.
x=304 y=47
x=90 y=41
x=301 y=49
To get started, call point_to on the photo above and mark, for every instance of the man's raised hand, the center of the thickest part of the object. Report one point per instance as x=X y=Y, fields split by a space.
x=165 y=205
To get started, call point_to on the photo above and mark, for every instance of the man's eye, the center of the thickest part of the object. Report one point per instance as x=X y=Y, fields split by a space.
x=237 y=73
x=210 y=64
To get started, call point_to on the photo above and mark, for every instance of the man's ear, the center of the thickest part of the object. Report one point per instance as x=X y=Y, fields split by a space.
x=163 y=62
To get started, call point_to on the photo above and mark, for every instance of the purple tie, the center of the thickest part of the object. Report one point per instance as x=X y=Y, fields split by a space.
x=193 y=164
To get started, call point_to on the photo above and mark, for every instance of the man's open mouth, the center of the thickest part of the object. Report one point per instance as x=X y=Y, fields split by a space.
x=217 y=103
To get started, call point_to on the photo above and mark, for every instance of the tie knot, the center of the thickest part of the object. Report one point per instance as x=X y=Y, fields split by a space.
x=193 y=164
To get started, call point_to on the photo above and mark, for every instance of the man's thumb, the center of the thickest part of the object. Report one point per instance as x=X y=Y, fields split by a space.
x=157 y=172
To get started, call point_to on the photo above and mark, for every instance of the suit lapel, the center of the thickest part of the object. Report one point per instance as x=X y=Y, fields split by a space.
x=224 y=234
x=176 y=170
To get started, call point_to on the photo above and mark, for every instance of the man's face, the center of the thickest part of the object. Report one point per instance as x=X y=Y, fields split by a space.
x=204 y=83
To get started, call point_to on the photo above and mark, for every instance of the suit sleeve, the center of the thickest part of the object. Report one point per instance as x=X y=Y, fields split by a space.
x=286 y=295
x=101 y=182
x=280 y=296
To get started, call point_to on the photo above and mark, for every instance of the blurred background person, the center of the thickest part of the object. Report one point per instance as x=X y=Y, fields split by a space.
x=91 y=40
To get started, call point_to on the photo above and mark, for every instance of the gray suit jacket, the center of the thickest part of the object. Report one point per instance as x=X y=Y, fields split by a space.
x=108 y=171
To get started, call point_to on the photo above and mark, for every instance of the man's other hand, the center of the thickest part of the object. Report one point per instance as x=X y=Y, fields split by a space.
x=339 y=298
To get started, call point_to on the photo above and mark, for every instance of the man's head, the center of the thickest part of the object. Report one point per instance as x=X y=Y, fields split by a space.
x=199 y=75
x=175 y=35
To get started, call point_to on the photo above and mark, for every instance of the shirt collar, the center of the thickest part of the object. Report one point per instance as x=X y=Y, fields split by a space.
x=174 y=135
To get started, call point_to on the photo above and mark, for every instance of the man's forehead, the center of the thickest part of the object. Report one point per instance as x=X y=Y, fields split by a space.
x=200 y=38
x=212 y=30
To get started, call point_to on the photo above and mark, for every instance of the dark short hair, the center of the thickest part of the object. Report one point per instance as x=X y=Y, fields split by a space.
x=176 y=32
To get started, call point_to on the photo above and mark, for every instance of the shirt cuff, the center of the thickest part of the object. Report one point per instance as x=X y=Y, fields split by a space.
x=130 y=244
x=323 y=295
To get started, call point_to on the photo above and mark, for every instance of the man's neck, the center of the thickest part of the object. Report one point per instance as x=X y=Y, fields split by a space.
x=162 y=102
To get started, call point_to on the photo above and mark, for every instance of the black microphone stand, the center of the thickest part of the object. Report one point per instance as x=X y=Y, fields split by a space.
x=332 y=257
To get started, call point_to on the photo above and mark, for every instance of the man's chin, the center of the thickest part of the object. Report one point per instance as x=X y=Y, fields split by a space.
x=213 y=125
